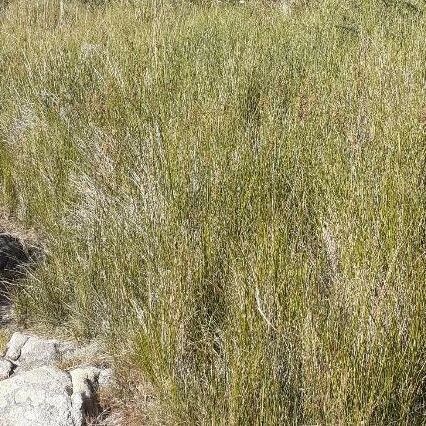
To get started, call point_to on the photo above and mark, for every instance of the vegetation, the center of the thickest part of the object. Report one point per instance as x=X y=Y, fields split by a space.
x=238 y=190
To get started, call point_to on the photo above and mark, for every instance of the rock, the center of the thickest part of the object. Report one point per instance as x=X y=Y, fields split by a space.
x=37 y=352
x=83 y=375
x=47 y=396
x=13 y=348
x=85 y=384
x=6 y=368
x=33 y=392
x=40 y=397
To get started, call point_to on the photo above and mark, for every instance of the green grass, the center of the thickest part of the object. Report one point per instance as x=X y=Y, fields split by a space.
x=235 y=194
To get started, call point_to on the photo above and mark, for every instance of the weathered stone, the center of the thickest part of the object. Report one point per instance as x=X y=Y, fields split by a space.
x=37 y=352
x=82 y=375
x=40 y=397
x=33 y=392
x=85 y=383
x=13 y=348
x=6 y=368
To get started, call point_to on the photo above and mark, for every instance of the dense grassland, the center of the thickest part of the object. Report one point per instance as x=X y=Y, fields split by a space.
x=233 y=194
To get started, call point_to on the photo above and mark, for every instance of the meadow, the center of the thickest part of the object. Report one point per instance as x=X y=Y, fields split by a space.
x=232 y=195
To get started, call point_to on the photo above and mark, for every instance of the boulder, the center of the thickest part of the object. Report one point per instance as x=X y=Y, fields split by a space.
x=13 y=348
x=34 y=392
x=37 y=352
x=28 y=351
x=85 y=384
x=40 y=397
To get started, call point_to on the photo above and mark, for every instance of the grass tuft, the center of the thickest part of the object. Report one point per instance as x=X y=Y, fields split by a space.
x=234 y=192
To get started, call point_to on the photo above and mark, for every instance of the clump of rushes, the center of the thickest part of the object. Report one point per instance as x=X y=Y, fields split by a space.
x=237 y=191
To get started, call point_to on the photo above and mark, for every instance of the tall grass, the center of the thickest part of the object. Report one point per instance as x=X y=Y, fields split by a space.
x=233 y=194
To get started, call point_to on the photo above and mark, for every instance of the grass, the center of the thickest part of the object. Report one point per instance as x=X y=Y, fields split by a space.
x=232 y=195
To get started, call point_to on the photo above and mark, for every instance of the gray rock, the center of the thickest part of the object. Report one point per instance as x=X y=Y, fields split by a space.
x=6 y=368
x=40 y=397
x=37 y=352
x=82 y=375
x=85 y=384
x=13 y=348
x=33 y=392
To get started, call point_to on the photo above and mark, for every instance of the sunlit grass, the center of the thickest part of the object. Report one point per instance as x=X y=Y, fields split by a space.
x=233 y=193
